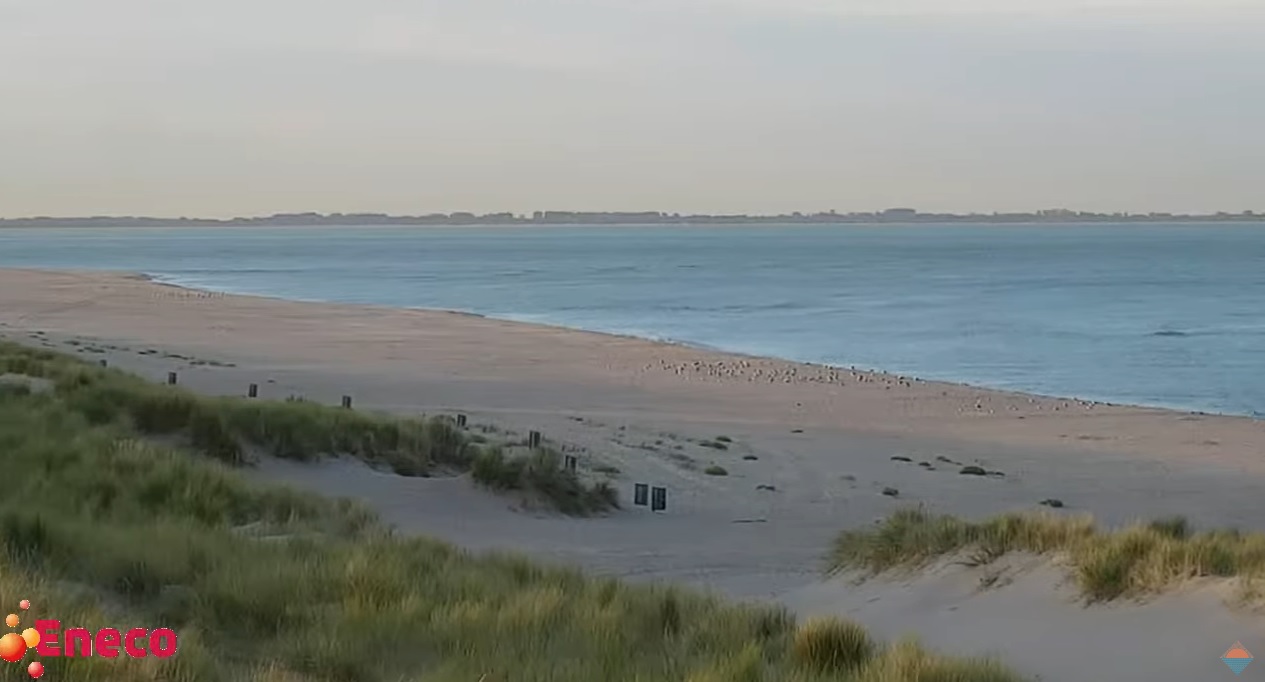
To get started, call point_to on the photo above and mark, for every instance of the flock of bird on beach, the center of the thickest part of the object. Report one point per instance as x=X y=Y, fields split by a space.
x=770 y=372
x=778 y=373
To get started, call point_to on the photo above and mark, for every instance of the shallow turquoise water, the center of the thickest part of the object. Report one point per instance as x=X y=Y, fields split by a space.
x=1169 y=315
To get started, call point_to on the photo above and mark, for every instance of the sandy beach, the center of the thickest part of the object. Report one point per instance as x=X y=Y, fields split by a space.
x=809 y=451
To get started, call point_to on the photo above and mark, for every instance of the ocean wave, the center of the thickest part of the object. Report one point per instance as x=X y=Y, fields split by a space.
x=733 y=308
x=185 y=282
x=653 y=310
x=657 y=338
x=1234 y=330
x=613 y=269
x=613 y=329
x=238 y=271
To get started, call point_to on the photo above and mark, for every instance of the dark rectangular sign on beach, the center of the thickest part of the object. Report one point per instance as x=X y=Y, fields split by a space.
x=659 y=499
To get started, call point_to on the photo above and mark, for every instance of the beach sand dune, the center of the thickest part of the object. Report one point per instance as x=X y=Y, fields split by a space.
x=1032 y=618
x=806 y=451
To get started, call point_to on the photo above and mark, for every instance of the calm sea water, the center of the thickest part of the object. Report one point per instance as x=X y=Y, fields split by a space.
x=1168 y=315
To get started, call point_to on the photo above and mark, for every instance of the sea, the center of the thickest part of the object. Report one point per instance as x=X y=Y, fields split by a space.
x=1165 y=314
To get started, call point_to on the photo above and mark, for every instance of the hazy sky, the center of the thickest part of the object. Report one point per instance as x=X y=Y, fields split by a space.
x=231 y=107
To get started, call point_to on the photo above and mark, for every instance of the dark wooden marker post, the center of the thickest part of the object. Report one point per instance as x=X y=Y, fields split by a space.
x=171 y=378
x=659 y=499
x=253 y=391
x=571 y=463
x=347 y=402
x=641 y=494
x=533 y=439
x=105 y=363
x=461 y=421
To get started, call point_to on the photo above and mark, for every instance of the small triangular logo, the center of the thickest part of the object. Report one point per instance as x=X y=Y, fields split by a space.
x=1237 y=658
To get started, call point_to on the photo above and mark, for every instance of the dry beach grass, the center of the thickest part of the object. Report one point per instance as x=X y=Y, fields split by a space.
x=225 y=428
x=101 y=525
x=1140 y=559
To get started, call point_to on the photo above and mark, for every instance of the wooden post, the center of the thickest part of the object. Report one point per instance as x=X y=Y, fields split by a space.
x=171 y=378
x=533 y=439
x=659 y=499
x=253 y=391
x=641 y=494
x=461 y=421
x=105 y=363
x=347 y=402
x=571 y=463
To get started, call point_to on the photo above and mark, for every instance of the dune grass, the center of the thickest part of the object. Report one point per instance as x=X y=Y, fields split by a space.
x=227 y=428
x=542 y=472
x=101 y=526
x=1141 y=559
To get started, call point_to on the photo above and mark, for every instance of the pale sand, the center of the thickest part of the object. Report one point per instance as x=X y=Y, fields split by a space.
x=824 y=440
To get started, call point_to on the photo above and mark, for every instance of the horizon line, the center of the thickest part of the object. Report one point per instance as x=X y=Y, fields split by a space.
x=889 y=214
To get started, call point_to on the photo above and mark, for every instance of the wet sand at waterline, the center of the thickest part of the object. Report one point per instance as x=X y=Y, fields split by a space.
x=808 y=451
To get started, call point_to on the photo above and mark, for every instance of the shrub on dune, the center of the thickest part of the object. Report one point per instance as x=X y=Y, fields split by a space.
x=1142 y=558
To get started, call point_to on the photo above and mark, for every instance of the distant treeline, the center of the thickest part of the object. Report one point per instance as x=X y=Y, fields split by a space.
x=896 y=215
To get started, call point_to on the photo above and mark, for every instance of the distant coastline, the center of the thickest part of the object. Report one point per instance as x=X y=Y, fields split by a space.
x=889 y=216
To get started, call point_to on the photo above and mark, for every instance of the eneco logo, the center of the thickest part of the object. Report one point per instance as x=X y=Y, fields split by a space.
x=45 y=639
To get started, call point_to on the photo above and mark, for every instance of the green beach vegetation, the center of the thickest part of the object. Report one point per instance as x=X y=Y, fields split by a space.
x=109 y=520
x=230 y=428
x=1137 y=560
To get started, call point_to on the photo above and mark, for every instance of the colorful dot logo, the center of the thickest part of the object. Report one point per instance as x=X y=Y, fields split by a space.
x=13 y=646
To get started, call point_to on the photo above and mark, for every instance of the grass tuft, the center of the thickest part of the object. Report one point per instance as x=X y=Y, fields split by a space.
x=832 y=645
x=1137 y=560
x=1176 y=527
x=908 y=661
x=541 y=472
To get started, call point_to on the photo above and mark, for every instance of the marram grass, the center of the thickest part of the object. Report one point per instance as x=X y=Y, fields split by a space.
x=1141 y=559
x=102 y=526
x=225 y=427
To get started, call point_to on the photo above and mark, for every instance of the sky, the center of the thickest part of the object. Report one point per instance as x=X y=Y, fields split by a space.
x=250 y=107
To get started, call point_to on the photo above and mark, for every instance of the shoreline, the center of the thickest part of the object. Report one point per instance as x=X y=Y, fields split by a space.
x=501 y=365
x=708 y=348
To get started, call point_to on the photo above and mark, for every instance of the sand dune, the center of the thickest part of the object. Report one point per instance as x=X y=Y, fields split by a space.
x=810 y=452
x=1038 y=623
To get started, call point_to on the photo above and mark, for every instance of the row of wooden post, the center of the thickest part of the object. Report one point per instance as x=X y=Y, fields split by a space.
x=655 y=497
x=534 y=439
x=252 y=391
